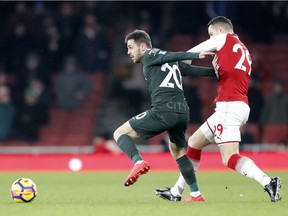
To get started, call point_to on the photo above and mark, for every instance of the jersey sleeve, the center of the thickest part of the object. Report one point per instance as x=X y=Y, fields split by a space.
x=159 y=57
x=195 y=71
x=213 y=44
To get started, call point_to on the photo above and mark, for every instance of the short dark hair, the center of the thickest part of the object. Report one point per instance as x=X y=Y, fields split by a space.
x=223 y=21
x=139 y=36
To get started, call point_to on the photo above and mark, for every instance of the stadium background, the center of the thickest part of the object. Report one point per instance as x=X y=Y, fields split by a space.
x=38 y=133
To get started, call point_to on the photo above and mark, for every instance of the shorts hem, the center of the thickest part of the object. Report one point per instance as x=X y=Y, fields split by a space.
x=227 y=142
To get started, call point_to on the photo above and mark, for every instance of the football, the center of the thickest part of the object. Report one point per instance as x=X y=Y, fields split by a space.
x=23 y=190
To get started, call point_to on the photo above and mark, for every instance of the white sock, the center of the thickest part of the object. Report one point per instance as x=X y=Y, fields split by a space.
x=195 y=194
x=138 y=162
x=180 y=185
x=247 y=167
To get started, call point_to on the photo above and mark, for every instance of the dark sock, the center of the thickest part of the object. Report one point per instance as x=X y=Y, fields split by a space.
x=187 y=170
x=136 y=158
x=128 y=146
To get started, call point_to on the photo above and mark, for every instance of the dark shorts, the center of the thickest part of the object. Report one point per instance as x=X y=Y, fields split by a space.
x=151 y=123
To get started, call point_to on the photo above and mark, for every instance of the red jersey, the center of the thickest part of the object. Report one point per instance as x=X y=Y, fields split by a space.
x=232 y=64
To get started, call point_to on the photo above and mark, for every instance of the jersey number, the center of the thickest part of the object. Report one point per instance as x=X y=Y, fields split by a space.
x=173 y=73
x=244 y=55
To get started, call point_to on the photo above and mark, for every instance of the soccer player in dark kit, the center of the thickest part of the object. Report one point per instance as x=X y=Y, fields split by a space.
x=169 y=110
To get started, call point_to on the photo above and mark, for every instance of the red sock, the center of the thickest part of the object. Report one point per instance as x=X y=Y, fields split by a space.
x=193 y=154
x=233 y=160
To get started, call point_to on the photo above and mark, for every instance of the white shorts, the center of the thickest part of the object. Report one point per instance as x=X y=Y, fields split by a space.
x=224 y=125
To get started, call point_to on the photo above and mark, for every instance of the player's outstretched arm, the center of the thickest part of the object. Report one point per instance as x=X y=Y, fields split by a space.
x=158 y=57
x=213 y=45
x=179 y=56
x=195 y=71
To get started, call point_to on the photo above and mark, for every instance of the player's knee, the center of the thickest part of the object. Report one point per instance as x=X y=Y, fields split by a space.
x=191 y=141
x=194 y=143
x=117 y=133
x=176 y=152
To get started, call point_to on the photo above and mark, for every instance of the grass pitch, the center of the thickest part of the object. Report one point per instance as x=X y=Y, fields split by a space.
x=103 y=193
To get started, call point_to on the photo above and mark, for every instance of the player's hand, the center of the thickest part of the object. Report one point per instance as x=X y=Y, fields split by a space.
x=203 y=54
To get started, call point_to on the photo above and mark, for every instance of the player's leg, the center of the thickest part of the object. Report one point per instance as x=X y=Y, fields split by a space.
x=185 y=166
x=124 y=136
x=245 y=166
x=187 y=173
x=176 y=144
x=196 y=143
x=231 y=116
x=201 y=138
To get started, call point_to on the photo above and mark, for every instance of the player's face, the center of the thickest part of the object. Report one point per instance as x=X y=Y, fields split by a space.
x=214 y=30
x=134 y=51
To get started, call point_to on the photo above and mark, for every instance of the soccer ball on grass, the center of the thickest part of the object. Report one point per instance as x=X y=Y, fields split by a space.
x=23 y=190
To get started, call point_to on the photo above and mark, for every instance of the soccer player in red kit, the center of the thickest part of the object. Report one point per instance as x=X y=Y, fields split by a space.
x=232 y=65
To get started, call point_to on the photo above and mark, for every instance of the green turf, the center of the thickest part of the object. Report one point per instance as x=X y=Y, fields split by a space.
x=69 y=194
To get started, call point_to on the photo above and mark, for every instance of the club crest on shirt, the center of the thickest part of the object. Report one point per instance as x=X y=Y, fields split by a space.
x=154 y=51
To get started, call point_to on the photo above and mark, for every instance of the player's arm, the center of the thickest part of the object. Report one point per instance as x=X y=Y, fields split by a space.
x=159 y=57
x=195 y=71
x=179 y=56
x=213 y=44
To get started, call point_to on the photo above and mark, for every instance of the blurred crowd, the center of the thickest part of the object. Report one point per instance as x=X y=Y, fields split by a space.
x=48 y=49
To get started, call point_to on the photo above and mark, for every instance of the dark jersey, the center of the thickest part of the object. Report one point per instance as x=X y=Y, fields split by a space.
x=161 y=71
